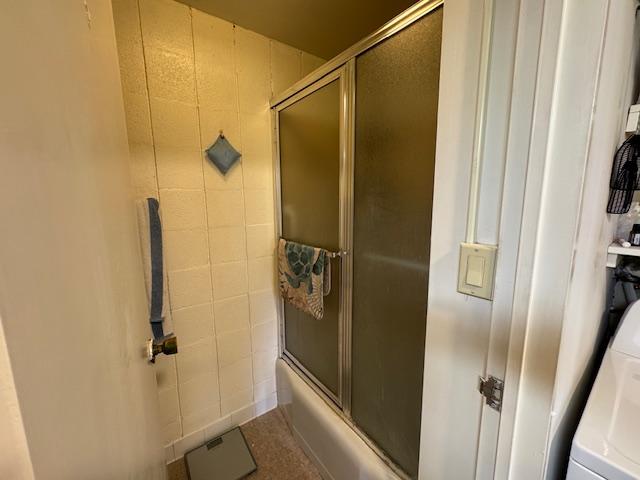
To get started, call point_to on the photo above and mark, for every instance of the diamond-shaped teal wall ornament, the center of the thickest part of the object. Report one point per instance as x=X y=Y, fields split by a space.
x=222 y=154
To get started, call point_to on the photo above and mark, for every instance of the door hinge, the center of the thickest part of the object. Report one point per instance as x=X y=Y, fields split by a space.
x=491 y=389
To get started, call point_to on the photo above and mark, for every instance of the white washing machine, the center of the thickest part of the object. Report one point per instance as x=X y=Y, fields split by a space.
x=607 y=443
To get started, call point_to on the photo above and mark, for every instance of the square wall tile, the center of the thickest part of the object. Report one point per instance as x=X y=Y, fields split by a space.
x=227 y=244
x=229 y=280
x=167 y=324
x=266 y=405
x=231 y=314
x=262 y=274
x=217 y=85
x=193 y=324
x=220 y=426
x=215 y=180
x=244 y=415
x=197 y=359
x=286 y=66
x=257 y=171
x=233 y=346
x=182 y=209
x=310 y=63
x=129 y=39
x=132 y=72
x=264 y=337
x=215 y=65
x=264 y=365
x=199 y=393
x=190 y=287
x=169 y=453
x=175 y=124
x=259 y=206
x=255 y=129
x=197 y=420
x=236 y=377
x=169 y=408
x=138 y=117
x=165 y=368
x=172 y=432
x=166 y=24
x=252 y=50
x=185 y=249
x=179 y=167
x=253 y=71
x=237 y=401
x=214 y=36
x=188 y=442
x=261 y=241
x=263 y=306
x=142 y=166
x=212 y=120
x=171 y=75
x=144 y=191
x=225 y=208
x=264 y=389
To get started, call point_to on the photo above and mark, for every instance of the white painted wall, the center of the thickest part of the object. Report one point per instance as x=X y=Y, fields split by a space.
x=582 y=97
x=553 y=149
x=459 y=326
x=72 y=299
x=585 y=307
x=14 y=452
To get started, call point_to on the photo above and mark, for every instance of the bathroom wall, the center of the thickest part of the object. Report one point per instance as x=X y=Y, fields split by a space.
x=587 y=297
x=565 y=294
x=71 y=288
x=15 y=461
x=187 y=75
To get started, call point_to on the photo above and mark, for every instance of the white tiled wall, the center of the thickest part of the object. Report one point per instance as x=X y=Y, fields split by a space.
x=187 y=75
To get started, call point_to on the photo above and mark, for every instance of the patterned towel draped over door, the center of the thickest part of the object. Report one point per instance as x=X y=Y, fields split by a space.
x=304 y=276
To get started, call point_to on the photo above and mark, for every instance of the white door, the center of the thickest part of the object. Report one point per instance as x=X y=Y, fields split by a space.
x=467 y=337
x=539 y=140
x=72 y=299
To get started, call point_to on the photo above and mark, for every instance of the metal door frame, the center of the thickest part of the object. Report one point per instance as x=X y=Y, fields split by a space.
x=344 y=75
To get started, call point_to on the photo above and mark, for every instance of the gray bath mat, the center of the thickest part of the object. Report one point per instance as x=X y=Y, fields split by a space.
x=226 y=457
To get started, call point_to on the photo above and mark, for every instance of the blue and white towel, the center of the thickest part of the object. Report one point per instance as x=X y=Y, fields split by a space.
x=304 y=275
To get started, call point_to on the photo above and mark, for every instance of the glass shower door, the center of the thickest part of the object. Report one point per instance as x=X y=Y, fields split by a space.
x=310 y=163
x=356 y=152
x=395 y=135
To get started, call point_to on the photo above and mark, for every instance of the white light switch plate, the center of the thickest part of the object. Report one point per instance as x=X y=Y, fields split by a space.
x=476 y=270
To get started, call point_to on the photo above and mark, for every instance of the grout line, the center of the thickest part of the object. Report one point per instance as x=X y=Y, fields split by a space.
x=155 y=165
x=195 y=305
x=244 y=203
x=206 y=208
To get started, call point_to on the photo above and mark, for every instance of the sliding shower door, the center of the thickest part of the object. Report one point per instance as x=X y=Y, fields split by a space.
x=356 y=158
x=310 y=163
x=396 y=113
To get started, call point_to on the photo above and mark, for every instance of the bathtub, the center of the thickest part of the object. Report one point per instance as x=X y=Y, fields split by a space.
x=338 y=452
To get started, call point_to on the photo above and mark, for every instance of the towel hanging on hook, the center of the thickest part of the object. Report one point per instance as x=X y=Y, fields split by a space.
x=222 y=154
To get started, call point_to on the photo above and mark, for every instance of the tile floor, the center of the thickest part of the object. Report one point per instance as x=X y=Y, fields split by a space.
x=276 y=452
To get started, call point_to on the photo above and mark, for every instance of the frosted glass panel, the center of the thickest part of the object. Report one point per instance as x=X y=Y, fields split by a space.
x=310 y=175
x=396 y=111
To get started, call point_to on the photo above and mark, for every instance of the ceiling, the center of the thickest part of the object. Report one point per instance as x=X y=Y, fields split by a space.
x=321 y=27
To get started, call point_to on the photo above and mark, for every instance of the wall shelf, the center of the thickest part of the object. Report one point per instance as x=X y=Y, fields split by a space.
x=614 y=250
